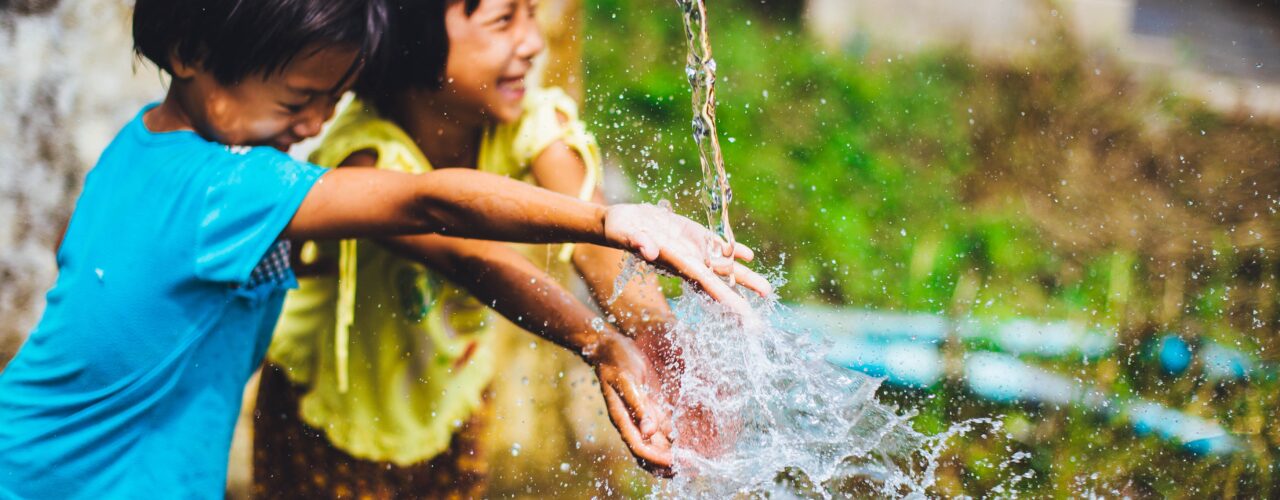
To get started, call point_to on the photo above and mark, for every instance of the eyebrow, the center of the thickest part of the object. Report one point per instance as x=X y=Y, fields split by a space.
x=309 y=92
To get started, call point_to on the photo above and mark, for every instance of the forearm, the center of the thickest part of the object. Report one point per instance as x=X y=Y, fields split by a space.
x=641 y=309
x=500 y=277
x=498 y=208
x=367 y=202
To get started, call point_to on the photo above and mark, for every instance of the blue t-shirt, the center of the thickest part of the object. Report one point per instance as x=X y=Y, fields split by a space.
x=171 y=277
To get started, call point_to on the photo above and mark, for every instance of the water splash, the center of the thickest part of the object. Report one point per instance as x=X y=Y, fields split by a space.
x=631 y=268
x=761 y=412
x=701 y=70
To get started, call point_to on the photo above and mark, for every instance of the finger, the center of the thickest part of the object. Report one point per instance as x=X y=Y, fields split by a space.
x=663 y=419
x=721 y=265
x=699 y=274
x=721 y=245
x=722 y=293
x=743 y=253
x=663 y=443
x=622 y=420
x=645 y=246
x=725 y=248
x=649 y=454
x=752 y=280
x=639 y=405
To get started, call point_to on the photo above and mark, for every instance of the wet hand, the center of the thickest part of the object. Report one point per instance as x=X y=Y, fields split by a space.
x=687 y=249
x=631 y=394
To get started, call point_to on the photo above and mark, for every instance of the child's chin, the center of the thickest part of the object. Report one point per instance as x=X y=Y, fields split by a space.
x=508 y=113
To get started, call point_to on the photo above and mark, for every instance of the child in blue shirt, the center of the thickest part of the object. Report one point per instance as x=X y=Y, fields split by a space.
x=175 y=261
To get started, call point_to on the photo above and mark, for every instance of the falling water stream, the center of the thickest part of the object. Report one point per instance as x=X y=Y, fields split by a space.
x=701 y=70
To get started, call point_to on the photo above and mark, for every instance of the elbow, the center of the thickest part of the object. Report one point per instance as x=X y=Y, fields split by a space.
x=429 y=210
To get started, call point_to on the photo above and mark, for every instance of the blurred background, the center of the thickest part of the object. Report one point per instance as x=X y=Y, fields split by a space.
x=1058 y=214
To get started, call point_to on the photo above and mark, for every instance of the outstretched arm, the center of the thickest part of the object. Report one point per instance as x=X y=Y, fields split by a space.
x=498 y=275
x=366 y=202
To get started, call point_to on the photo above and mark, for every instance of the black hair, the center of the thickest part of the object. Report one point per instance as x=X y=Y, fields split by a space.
x=233 y=39
x=417 y=50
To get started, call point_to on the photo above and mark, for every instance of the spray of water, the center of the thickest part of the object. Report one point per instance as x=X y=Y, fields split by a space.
x=760 y=412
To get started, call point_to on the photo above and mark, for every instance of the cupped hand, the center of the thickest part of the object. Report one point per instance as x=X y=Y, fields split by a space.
x=634 y=401
x=687 y=249
x=701 y=429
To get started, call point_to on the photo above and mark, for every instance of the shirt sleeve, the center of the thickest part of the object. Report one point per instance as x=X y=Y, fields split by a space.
x=250 y=200
x=550 y=116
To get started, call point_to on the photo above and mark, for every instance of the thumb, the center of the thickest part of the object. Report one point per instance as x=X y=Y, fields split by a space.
x=645 y=245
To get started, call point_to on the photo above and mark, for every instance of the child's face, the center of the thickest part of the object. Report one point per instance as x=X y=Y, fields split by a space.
x=490 y=53
x=277 y=110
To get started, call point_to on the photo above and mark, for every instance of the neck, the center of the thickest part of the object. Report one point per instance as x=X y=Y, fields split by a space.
x=169 y=115
x=446 y=138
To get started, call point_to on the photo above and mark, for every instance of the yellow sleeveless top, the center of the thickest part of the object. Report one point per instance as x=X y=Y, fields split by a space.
x=393 y=357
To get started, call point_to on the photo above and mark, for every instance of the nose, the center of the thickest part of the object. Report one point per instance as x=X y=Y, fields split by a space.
x=307 y=128
x=311 y=121
x=532 y=44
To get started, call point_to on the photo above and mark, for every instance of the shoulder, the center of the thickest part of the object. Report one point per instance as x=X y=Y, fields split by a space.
x=359 y=128
x=256 y=166
x=545 y=104
x=550 y=115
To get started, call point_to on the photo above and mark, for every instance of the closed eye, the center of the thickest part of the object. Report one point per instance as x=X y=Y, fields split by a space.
x=295 y=108
x=508 y=15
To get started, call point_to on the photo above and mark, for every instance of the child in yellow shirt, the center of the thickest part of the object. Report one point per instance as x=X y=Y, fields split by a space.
x=382 y=358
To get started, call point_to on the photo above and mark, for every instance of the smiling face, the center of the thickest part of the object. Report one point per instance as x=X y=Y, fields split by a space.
x=276 y=110
x=490 y=53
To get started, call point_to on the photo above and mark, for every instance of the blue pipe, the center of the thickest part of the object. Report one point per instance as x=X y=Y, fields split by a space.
x=904 y=349
x=1219 y=362
x=1019 y=337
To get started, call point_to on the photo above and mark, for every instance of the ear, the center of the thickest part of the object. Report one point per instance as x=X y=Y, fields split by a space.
x=181 y=70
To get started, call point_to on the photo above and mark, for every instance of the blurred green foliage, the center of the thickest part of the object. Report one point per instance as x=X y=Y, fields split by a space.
x=846 y=171
x=1055 y=187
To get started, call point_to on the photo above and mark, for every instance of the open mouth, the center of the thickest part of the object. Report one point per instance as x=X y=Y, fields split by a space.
x=512 y=87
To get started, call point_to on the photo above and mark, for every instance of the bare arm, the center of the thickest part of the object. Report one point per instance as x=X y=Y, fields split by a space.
x=498 y=275
x=367 y=202
x=503 y=279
